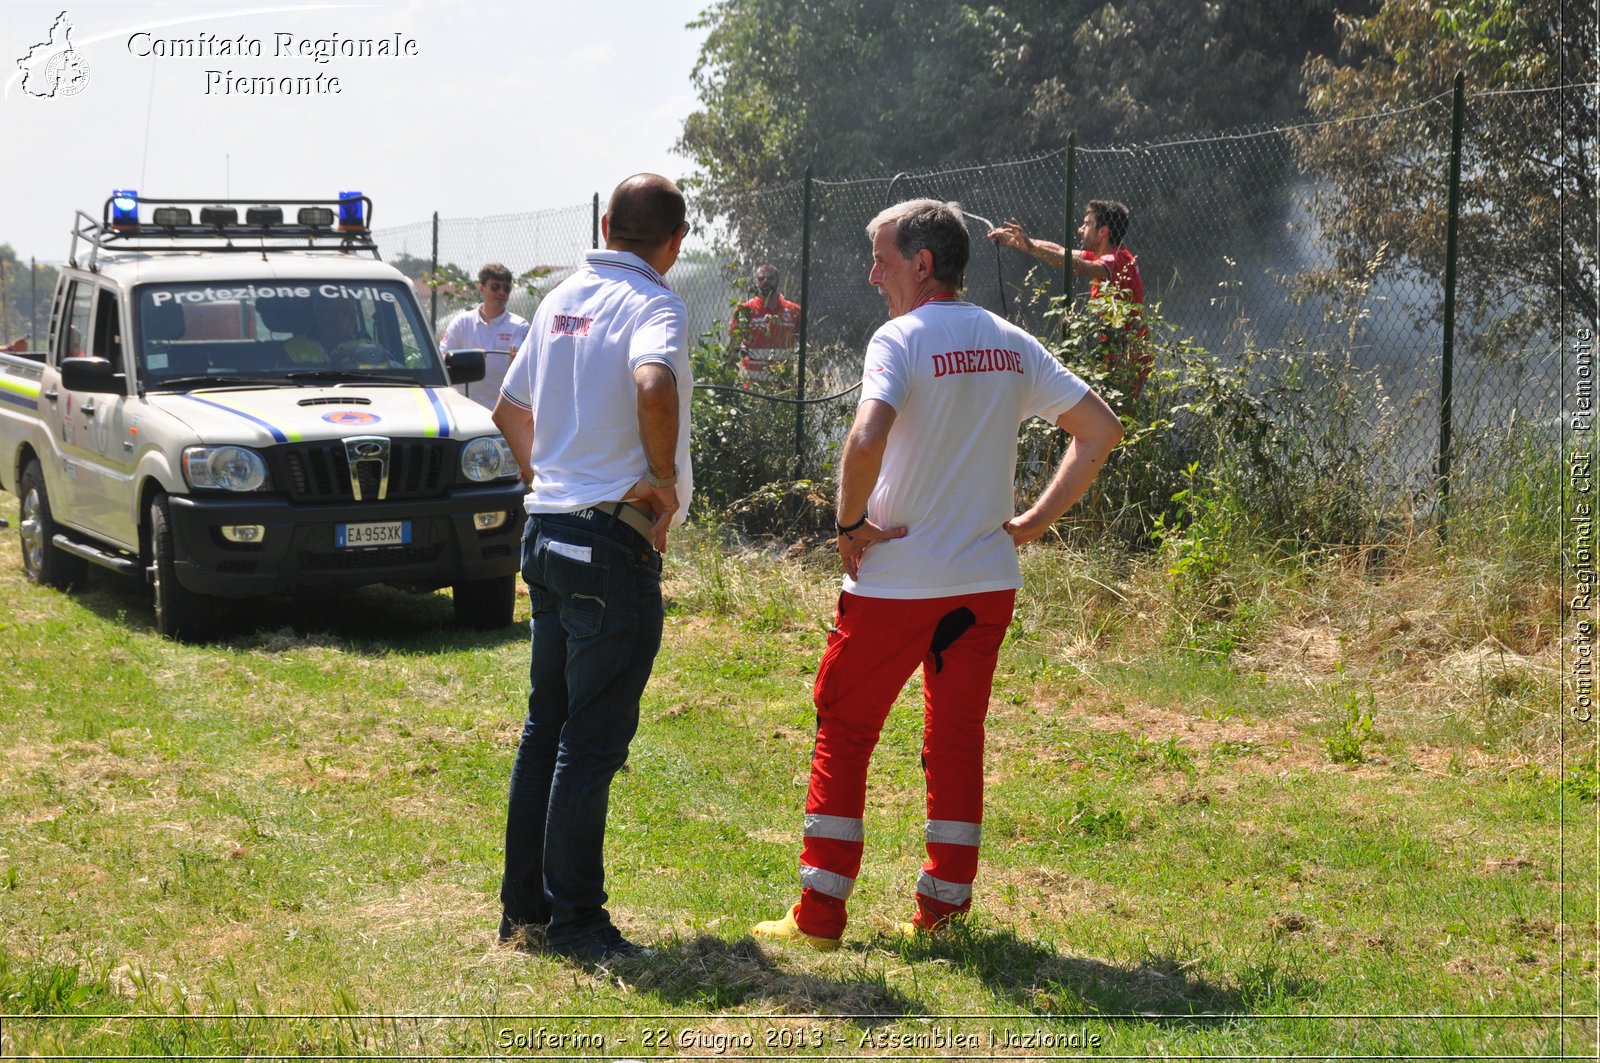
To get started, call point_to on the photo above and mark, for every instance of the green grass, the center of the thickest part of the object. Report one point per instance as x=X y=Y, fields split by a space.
x=306 y=821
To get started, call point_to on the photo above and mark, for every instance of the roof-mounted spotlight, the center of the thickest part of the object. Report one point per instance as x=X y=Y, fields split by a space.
x=264 y=216
x=219 y=216
x=316 y=217
x=172 y=217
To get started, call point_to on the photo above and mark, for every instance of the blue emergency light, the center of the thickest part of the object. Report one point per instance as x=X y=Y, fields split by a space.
x=124 y=209
x=350 y=219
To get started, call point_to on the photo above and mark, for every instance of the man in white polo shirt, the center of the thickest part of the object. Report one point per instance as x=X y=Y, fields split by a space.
x=596 y=408
x=929 y=547
x=488 y=327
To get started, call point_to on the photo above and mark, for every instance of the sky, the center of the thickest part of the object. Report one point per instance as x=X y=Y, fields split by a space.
x=492 y=108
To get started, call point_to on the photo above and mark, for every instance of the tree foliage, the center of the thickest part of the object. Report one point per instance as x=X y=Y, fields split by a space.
x=886 y=85
x=25 y=292
x=1527 y=157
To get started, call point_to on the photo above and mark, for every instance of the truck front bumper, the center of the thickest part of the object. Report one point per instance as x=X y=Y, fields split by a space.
x=298 y=543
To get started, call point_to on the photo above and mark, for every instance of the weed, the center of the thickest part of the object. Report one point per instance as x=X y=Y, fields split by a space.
x=1347 y=745
x=1582 y=781
x=1107 y=823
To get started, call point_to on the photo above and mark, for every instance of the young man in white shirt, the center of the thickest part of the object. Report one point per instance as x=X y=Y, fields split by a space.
x=928 y=541
x=488 y=327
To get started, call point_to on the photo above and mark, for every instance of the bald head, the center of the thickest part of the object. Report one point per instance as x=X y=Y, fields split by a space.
x=644 y=214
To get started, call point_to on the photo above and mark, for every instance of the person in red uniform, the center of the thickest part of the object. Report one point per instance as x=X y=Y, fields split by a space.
x=767 y=321
x=928 y=536
x=1108 y=264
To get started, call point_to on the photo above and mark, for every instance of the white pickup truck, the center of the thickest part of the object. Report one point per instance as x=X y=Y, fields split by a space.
x=238 y=408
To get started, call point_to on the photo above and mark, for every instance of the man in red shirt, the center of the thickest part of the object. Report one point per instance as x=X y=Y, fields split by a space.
x=1107 y=263
x=765 y=322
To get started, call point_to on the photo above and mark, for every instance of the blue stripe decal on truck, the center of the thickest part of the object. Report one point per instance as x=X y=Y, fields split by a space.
x=277 y=434
x=19 y=400
x=438 y=408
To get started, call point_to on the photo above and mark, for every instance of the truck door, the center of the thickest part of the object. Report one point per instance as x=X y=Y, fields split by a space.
x=96 y=446
x=64 y=469
x=113 y=452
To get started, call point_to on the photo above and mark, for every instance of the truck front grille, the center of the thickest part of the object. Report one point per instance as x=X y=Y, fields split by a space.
x=320 y=472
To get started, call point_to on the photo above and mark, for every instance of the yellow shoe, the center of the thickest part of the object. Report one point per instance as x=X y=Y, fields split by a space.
x=786 y=929
x=943 y=928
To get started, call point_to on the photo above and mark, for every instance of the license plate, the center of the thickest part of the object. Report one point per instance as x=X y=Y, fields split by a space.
x=390 y=533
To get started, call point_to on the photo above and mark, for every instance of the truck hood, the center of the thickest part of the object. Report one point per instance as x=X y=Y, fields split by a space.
x=265 y=416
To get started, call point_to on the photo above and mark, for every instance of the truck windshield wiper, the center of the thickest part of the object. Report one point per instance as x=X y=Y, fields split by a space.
x=229 y=380
x=349 y=376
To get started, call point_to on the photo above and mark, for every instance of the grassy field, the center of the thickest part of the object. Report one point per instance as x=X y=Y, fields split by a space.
x=1360 y=829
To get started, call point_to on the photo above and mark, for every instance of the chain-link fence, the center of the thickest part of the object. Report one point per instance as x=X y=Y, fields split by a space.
x=1230 y=236
x=1233 y=239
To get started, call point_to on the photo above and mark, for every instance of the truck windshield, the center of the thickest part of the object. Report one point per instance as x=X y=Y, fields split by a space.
x=301 y=332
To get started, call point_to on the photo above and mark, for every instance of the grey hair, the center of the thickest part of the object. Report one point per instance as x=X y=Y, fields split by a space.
x=928 y=223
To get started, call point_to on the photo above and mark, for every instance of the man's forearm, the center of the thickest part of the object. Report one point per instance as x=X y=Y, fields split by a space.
x=1047 y=250
x=658 y=418
x=858 y=475
x=1079 y=467
x=1095 y=432
x=516 y=424
x=862 y=457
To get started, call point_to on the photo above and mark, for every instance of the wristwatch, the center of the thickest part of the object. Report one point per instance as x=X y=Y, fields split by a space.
x=662 y=481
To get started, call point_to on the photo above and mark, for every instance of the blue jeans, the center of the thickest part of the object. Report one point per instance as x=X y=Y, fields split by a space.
x=596 y=590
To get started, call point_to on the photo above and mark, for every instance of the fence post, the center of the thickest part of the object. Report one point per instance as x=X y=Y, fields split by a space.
x=594 y=224
x=433 y=280
x=805 y=314
x=33 y=299
x=1447 y=366
x=1066 y=237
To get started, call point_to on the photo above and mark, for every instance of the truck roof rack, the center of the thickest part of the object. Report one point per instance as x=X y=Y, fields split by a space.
x=342 y=225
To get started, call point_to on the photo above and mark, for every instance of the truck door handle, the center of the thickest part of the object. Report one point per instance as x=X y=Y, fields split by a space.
x=52 y=394
x=88 y=408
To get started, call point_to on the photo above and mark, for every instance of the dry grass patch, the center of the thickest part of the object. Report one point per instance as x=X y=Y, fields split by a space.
x=1024 y=896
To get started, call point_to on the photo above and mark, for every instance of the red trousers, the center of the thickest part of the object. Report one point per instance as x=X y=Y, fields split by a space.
x=875 y=646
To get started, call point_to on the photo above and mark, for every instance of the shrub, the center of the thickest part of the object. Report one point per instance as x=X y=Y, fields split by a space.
x=747 y=472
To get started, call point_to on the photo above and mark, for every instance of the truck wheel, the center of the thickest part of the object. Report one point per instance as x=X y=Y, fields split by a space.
x=485 y=604
x=41 y=559
x=180 y=613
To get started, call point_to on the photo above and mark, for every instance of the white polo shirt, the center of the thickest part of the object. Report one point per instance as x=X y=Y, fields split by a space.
x=498 y=338
x=575 y=373
x=961 y=381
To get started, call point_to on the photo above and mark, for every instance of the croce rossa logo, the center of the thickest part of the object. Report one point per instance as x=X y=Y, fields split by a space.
x=53 y=67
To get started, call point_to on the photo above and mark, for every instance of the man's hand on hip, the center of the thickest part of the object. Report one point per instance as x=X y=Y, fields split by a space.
x=1027 y=528
x=853 y=544
x=662 y=502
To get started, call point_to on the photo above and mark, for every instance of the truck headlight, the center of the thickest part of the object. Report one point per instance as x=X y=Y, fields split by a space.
x=224 y=468
x=487 y=458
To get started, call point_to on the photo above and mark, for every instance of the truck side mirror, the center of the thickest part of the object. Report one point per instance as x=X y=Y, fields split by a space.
x=464 y=366
x=94 y=375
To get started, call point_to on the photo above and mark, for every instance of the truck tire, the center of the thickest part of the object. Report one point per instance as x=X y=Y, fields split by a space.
x=42 y=560
x=181 y=614
x=485 y=604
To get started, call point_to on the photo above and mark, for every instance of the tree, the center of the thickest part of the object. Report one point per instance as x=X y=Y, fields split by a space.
x=25 y=293
x=1527 y=157
x=889 y=85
